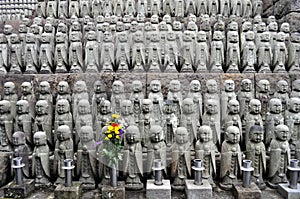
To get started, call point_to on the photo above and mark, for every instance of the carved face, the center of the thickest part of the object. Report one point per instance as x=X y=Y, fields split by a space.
x=282 y=86
x=294 y=105
x=123 y=37
x=26 y=88
x=22 y=28
x=62 y=106
x=246 y=85
x=181 y=135
x=22 y=106
x=275 y=105
x=41 y=107
x=7 y=29
x=97 y=87
x=192 y=18
x=282 y=132
x=255 y=106
x=163 y=26
x=229 y=85
x=61 y=28
x=246 y=26
x=280 y=37
x=264 y=86
x=30 y=38
x=234 y=106
x=9 y=88
x=192 y=26
x=233 y=134
x=5 y=106
x=212 y=106
x=188 y=106
x=63 y=87
x=285 y=27
x=234 y=37
x=138 y=36
x=167 y=18
x=126 y=107
x=154 y=19
x=176 y=25
x=156 y=133
x=201 y=36
x=91 y=36
x=195 y=86
x=146 y=105
x=39 y=138
x=155 y=86
x=80 y=87
x=105 y=107
x=137 y=86
x=132 y=134
x=261 y=27
x=233 y=26
x=117 y=87
x=18 y=138
x=296 y=85
x=63 y=133
x=44 y=87
x=168 y=108
x=256 y=136
x=14 y=38
x=84 y=107
x=250 y=36
x=273 y=26
x=107 y=36
x=205 y=133
x=175 y=86
x=86 y=134
x=211 y=86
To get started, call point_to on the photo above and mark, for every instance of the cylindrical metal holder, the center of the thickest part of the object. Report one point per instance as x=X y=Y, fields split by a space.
x=198 y=171
x=17 y=166
x=157 y=168
x=246 y=168
x=68 y=171
x=294 y=169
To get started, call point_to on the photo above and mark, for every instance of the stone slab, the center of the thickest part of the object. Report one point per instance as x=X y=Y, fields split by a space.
x=156 y=192
x=240 y=192
x=13 y=190
x=193 y=191
x=289 y=193
x=73 y=192
x=114 y=192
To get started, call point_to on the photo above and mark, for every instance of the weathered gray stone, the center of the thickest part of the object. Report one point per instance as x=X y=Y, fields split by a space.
x=241 y=192
x=193 y=191
x=73 y=192
x=114 y=192
x=13 y=190
x=155 y=192
x=289 y=193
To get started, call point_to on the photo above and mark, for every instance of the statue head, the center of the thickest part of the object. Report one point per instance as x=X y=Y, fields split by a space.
x=296 y=85
x=132 y=134
x=98 y=87
x=9 y=88
x=188 y=106
x=61 y=27
x=140 y=18
x=263 y=86
x=211 y=86
x=22 y=106
x=168 y=107
x=265 y=37
x=107 y=36
x=247 y=26
x=204 y=134
x=63 y=133
x=233 y=106
x=273 y=26
x=195 y=86
x=117 y=87
x=167 y=18
x=80 y=87
x=154 y=19
x=44 y=87
x=155 y=86
x=282 y=132
x=41 y=107
x=59 y=37
x=156 y=133
x=177 y=25
x=255 y=106
x=201 y=36
x=48 y=27
x=271 y=19
x=40 y=138
x=62 y=106
x=86 y=134
x=14 y=38
x=137 y=86
x=126 y=107
x=122 y=36
x=275 y=105
x=257 y=19
x=134 y=26
x=91 y=35
x=8 y=29
x=105 y=107
x=26 y=88
x=5 y=106
x=139 y=37
x=84 y=107
x=192 y=26
x=232 y=134
x=18 y=138
x=63 y=88
x=294 y=104
x=250 y=36
x=282 y=86
x=146 y=105
x=181 y=135
x=30 y=38
x=212 y=106
x=3 y=39
x=174 y=85
x=246 y=85
x=256 y=134
x=280 y=37
x=229 y=85
x=261 y=27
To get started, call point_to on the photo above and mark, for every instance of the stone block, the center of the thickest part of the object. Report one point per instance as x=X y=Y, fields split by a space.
x=12 y=190
x=240 y=192
x=114 y=192
x=156 y=192
x=193 y=191
x=289 y=193
x=73 y=192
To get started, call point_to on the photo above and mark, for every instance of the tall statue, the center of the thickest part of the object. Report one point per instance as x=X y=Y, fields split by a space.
x=292 y=120
x=28 y=95
x=92 y=53
x=263 y=94
x=227 y=95
x=46 y=54
x=233 y=52
x=107 y=58
x=187 y=52
x=154 y=53
x=282 y=93
x=293 y=52
x=63 y=116
x=136 y=97
x=61 y=53
x=6 y=126
x=83 y=118
x=30 y=54
x=11 y=96
x=248 y=51
x=280 y=54
x=171 y=52
x=15 y=55
x=146 y=120
x=169 y=122
x=175 y=95
x=232 y=117
x=127 y=113
x=244 y=96
x=103 y=117
x=202 y=52
x=4 y=52
x=264 y=53
x=79 y=93
x=45 y=94
x=75 y=52
x=156 y=95
x=195 y=94
x=117 y=96
x=138 y=52
x=99 y=95
x=217 y=53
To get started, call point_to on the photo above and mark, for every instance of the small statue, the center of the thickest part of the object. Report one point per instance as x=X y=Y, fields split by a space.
x=231 y=158
x=263 y=95
x=4 y=50
x=11 y=96
x=63 y=91
x=157 y=149
x=122 y=52
x=236 y=7
x=213 y=8
x=256 y=152
x=133 y=159
x=51 y=10
x=279 y=156
x=45 y=94
x=225 y=8
x=293 y=52
x=246 y=27
x=127 y=113
x=257 y=8
x=187 y=52
x=171 y=52
x=175 y=95
x=117 y=96
x=156 y=95
x=84 y=117
x=227 y=95
x=206 y=150
x=265 y=54
x=136 y=98
x=169 y=122
x=99 y=95
x=84 y=7
x=41 y=8
x=6 y=126
x=61 y=53
x=195 y=94
x=63 y=150
x=20 y=149
x=75 y=52
x=15 y=55
x=92 y=53
x=233 y=52
x=103 y=117
x=46 y=54
x=292 y=120
x=181 y=159
x=280 y=54
x=146 y=120
x=154 y=53
x=249 y=58
x=30 y=54
x=86 y=158
x=62 y=9
x=244 y=96
x=107 y=58
x=138 y=52
x=212 y=93
x=202 y=52
x=295 y=88
x=73 y=8
x=28 y=94
x=232 y=117
x=282 y=93
x=217 y=53
x=272 y=29
x=79 y=93
x=63 y=116
x=41 y=160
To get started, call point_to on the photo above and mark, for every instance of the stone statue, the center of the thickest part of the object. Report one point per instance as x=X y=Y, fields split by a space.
x=156 y=95
x=231 y=158
x=257 y=7
x=292 y=120
x=6 y=126
x=273 y=29
x=146 y=120
x=86 y=158
x=92 y=53
x=61 y=53
x=279 y=156
x=11 y=96
x=83 y=118
x=213 y=8
x=79 y=93
x=43 y=122
x=40 y=8
x=248 y=51
x=280 y=54
x=133 y=159
x=117 y=96
x=206 y=150
x=127 y=113
x=4 y=50
x=45 y=94
x=233 y=52
x=225 y=8
x=264 y=53
x=63 y=116
x=40 y=160
x=136 y=97
x=157 y=149
x=84 y=8
x=63 y=91
x=181 y=159
x=217 y=52
x=187 y=52
x=99 y=95
x=295 y=88
x=28 y=94
x=189 y=120
x=73 y=8
x=154 y=53
x=138 y=52
x=202 y=52
x=62 y=9
x=63 y=150
x=244 y=96
x=169 y=122
x=107 y=58
x=122 y=52
x=20 y=149
x=30 y=54
x=103 y=116
x=212 y=93
x=175 y=95
x=232 y=117
x=75 y=52
x=273 y=118
x=46 y=54
x=293 y=52
x=15 y=55
x=227 y=95
x=256 y=152
x=282 y=93
x=51 y=10
x=263 y=95
x=246 y=27
x=195 y=94
x=172 y=52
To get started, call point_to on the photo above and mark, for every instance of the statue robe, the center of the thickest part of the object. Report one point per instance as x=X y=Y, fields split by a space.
x=91 y=157
x=156 y=151
x=41 y=153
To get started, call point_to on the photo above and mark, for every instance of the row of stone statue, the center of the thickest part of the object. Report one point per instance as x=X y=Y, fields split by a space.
x=179 y=8
x=217 y=110
x=16 y=10
x=158 y=47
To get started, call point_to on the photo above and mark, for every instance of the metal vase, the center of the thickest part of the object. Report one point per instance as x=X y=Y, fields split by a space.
x=113 y=176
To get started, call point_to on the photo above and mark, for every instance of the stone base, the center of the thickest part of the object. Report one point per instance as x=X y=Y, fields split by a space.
x=114 y=192
x=156 y=192
x=193 y=191
x=240 y=192
x=289 y=193
x=12 y=190
x=73 y=192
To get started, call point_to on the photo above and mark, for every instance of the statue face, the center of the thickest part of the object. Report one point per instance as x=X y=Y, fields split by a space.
x=273 y=26
x=229 y=85
x=44 y=87
x=4 y=107
x=176 y=25
x=262 y=27
x=195 y=86
x=282 y=132
x=282 y=86
x=18 y=138
x=14 y=38
x=63 y=88
x=41 y=108
x=91 y=36
x=167 y=18
x=26 y=88
x=256 y=136
x=234 y=106
x=264 y=86
x=146 y=106
x=137 y=86
x=83 y=107
x=39 y=139
x=9 y=88
x=188 y=106
x=154 y=19
x=126 y=107
x=174 y=86
x=205 y=134
x=22 y=107
x=275 y=106
x=181 y=135
x=7 y=29
x=294 y=105
x=117 y=87
x=285 y=27
x=233 y=134
x=86 y=134
x=212 y=106
x=168 y=108
x=211 y=86
x=250 y=36
x=80 y=87
x=155 y=86
x=62 y=106
x=63 y=133
x=132 y=136
x=255 y=106
x=296 y=85
x=201 y=36
x=246 y=85
x=156 y=134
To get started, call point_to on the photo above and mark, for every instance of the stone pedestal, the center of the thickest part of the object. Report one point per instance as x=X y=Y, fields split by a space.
x=289 y=193
x=193 y=191
x=118 y=192
x=156 y=192
x=12 y=190
x=240 y=192
x=73 y=192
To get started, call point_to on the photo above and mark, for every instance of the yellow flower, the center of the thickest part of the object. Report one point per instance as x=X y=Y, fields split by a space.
x=109 y=135
x=110 y=128
x=116 y=116
x=118 y=137
x=117 y=132
x=106 y=138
